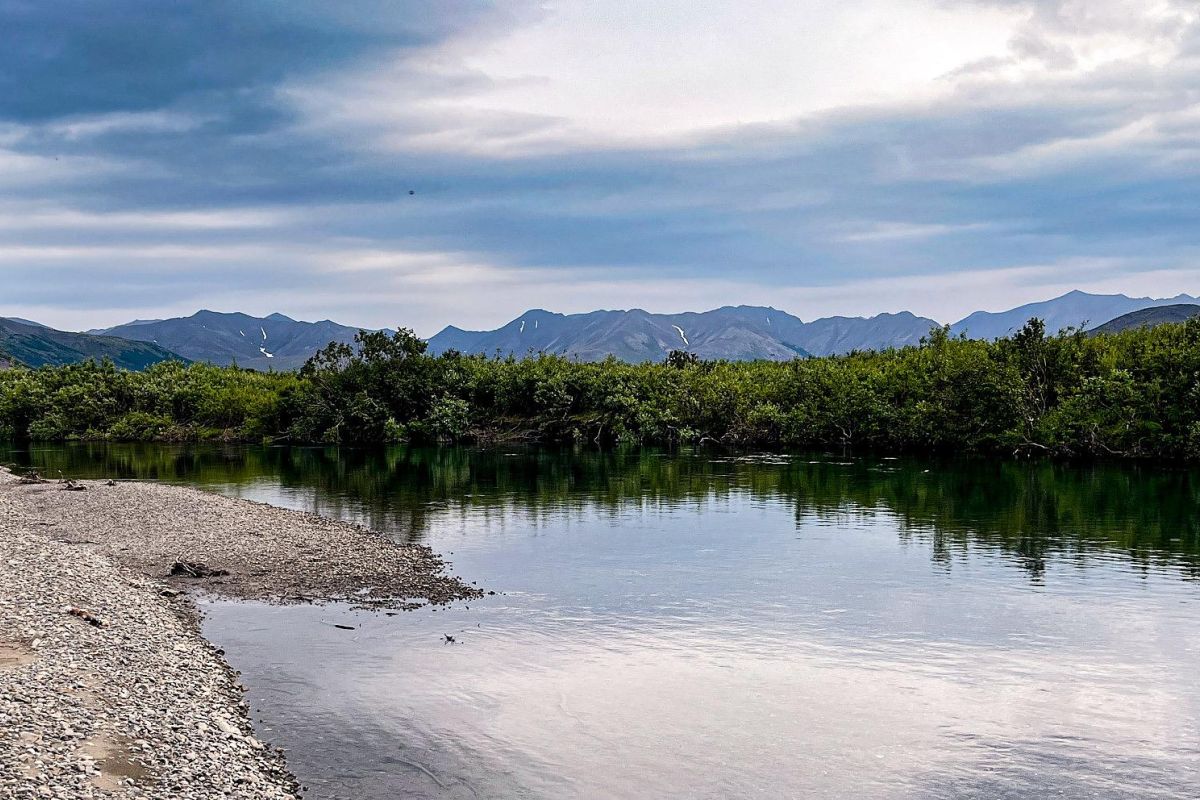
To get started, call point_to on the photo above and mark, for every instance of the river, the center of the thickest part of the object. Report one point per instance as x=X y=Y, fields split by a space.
x=715 y=625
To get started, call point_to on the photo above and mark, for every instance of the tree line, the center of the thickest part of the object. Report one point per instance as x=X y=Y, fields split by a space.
x=1132 y=394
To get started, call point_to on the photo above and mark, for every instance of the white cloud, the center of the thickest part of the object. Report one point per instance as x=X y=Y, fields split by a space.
x=634 y=70
x=19 y=218
x=151 y=252
x=24 y=170
x=84 y=127
x=581 y=75
x=892 y=231
x=1069 y=38
x=627 y=73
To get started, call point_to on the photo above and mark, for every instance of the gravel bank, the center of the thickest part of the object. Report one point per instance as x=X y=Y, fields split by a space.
x=257 y=551
x=139 y=706
x=107 y=688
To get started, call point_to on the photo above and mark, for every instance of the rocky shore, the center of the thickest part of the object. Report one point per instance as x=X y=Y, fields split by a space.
x=107 y=688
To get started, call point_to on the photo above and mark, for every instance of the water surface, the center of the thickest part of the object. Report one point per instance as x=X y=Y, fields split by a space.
x=706 y=625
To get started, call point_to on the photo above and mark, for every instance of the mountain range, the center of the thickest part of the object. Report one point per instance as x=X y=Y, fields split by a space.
x=35 y=345
x=732 y=332
x=1074 y=309
x=749 y=332
x=274 y=342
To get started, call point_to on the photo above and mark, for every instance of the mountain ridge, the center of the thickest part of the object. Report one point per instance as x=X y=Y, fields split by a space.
x=273 y=342
x=740 y=332
x=36 y=345
x=1073 y=309
x=766 y=332
x=729 y=332
x=1148 y=318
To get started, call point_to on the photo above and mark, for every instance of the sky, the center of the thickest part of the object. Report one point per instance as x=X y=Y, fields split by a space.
x=418 y=164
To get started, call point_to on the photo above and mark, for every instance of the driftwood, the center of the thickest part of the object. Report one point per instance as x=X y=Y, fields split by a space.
x=1028 y=447
x=86 y=616
x=32 y=477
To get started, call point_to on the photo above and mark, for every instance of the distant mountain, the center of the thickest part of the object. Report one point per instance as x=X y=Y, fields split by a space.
x=836 y=335
x=36 y=345
x=637 y=335
x=275 y=342
x=28 y=322
x=452 y=338
x=1073 y=309
x=1148 y=318
x=736 y=333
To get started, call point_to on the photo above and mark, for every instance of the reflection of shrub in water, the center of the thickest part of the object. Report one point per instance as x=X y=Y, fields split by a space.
x=1036 y=511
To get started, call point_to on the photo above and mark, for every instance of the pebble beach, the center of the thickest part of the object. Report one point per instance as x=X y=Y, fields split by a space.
x=107 y=688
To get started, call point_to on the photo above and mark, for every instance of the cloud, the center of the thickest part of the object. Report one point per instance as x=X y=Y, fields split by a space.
x=79 y=57
x=891 y=231
x=842 y=157
x=628 y=74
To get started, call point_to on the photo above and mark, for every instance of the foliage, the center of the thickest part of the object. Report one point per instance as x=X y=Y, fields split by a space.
x=168 y=401
x=1133 y=394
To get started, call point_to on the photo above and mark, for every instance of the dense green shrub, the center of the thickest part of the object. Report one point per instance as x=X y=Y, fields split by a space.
x=1133 y=394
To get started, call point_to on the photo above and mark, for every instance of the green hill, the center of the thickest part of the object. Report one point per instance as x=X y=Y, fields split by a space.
x=1148 y=318
x=36 y=346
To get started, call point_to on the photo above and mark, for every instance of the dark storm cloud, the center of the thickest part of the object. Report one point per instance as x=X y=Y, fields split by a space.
x=74 y=57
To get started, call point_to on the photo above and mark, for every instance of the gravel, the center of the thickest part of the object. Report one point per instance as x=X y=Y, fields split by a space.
x=253 y=550
x=107 y=688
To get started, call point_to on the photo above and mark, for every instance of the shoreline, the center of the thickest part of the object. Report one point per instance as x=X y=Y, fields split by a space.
x=110 y=690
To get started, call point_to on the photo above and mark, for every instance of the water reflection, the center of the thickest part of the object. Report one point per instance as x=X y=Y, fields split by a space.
x=1035 y=512
x=706 y=626
x=821 y=678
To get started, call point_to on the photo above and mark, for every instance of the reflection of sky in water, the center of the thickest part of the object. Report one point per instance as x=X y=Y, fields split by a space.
x=679 y=625
x=724 y=647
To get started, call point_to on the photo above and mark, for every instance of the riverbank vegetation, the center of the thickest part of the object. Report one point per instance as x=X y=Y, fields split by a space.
x=1133 y=394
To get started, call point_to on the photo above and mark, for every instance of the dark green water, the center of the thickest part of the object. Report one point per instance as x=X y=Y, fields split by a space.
x=707 y=625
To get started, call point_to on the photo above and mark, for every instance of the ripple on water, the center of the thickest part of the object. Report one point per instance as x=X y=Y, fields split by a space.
x=672 y=625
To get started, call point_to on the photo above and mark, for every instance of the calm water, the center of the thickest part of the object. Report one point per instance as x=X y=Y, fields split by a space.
x=708 y=626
